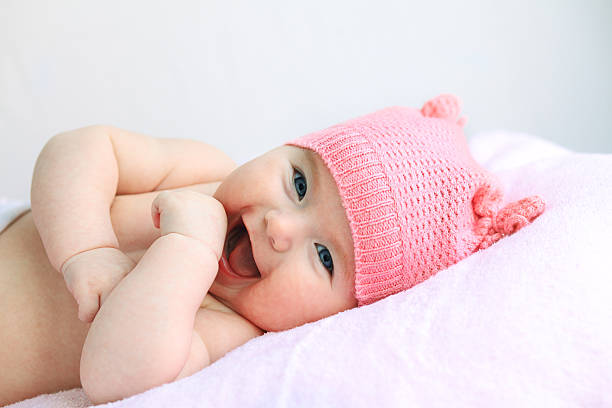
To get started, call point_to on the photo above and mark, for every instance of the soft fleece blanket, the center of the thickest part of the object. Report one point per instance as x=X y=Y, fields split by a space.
x=526 y=322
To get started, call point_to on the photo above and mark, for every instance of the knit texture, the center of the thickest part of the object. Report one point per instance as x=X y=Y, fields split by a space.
x=416 y=200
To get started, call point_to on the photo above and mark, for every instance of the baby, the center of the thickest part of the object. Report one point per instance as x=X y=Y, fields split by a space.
x=175 y=258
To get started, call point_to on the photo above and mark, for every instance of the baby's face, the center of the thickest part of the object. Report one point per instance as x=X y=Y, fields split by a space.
x=288 y=254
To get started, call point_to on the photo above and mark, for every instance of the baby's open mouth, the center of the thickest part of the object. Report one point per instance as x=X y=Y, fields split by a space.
x=240 y=254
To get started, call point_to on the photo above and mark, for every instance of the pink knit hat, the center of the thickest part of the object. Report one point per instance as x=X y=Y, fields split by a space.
x=416 y=200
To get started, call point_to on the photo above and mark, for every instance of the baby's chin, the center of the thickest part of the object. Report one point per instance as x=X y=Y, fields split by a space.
x=274 y=325
x=280 y=321
x=264 y=320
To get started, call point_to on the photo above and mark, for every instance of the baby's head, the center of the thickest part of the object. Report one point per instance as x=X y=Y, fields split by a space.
x=288 y=256
x=354 y=213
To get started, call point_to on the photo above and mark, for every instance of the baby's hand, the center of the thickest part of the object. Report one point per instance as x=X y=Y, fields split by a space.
x=91 y=276
x=192 y=214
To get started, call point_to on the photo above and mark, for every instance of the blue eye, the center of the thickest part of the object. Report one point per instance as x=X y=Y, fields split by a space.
x=325 y=257
x=299 y=181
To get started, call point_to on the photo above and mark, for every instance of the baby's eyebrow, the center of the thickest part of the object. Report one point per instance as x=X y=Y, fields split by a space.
x=312 y=165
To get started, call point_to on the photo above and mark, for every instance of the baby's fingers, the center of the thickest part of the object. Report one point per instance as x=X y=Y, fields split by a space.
x=89 y=303
x=157 y=207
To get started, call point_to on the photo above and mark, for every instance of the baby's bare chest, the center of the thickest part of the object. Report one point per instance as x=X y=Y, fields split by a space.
x=36 y=305
x=40 y=334
x=41 y=337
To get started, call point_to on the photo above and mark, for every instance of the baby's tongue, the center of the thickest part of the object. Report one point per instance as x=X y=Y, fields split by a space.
x=241 y=258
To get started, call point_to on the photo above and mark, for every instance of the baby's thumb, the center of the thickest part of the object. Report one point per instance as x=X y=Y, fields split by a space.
x=88 y=307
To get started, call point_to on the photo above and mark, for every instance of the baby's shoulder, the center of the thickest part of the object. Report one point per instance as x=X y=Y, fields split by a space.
x=221 y=328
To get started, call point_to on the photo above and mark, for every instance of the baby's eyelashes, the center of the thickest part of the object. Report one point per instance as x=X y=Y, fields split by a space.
x=325 y=258
x=299 y=182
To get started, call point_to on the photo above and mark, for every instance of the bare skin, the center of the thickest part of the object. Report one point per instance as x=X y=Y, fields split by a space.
x=293 y=219
x=40 y=333
x=36 y=311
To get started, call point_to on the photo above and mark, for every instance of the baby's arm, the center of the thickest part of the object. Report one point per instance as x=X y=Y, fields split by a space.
x=143 y=335
x=78 y=173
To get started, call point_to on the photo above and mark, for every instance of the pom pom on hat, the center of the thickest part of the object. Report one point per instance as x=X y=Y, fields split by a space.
x=445 y=107
x=416 y=200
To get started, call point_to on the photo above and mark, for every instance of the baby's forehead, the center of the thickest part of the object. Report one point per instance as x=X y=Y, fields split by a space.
x=310 y=157
x=324 y=202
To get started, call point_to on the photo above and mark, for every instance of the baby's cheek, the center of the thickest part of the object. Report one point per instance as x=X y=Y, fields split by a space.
x=279 y=294
x=303 y=302
x=276 y=304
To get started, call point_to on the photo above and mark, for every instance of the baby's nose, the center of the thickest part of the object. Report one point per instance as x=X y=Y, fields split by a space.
x=282 y=229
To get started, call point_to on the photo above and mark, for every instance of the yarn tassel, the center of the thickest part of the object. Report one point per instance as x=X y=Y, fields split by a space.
x=493 y=224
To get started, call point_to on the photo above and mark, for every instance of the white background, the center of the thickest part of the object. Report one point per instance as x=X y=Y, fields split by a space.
x=248 y=75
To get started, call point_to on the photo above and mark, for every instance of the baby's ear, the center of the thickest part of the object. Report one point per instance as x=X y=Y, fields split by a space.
x=445 y=106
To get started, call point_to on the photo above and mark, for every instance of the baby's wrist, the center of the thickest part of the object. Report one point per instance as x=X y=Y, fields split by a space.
x=188 y=244
x=107 y=252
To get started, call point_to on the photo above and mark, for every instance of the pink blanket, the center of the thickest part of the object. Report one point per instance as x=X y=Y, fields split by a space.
x=526 y=322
